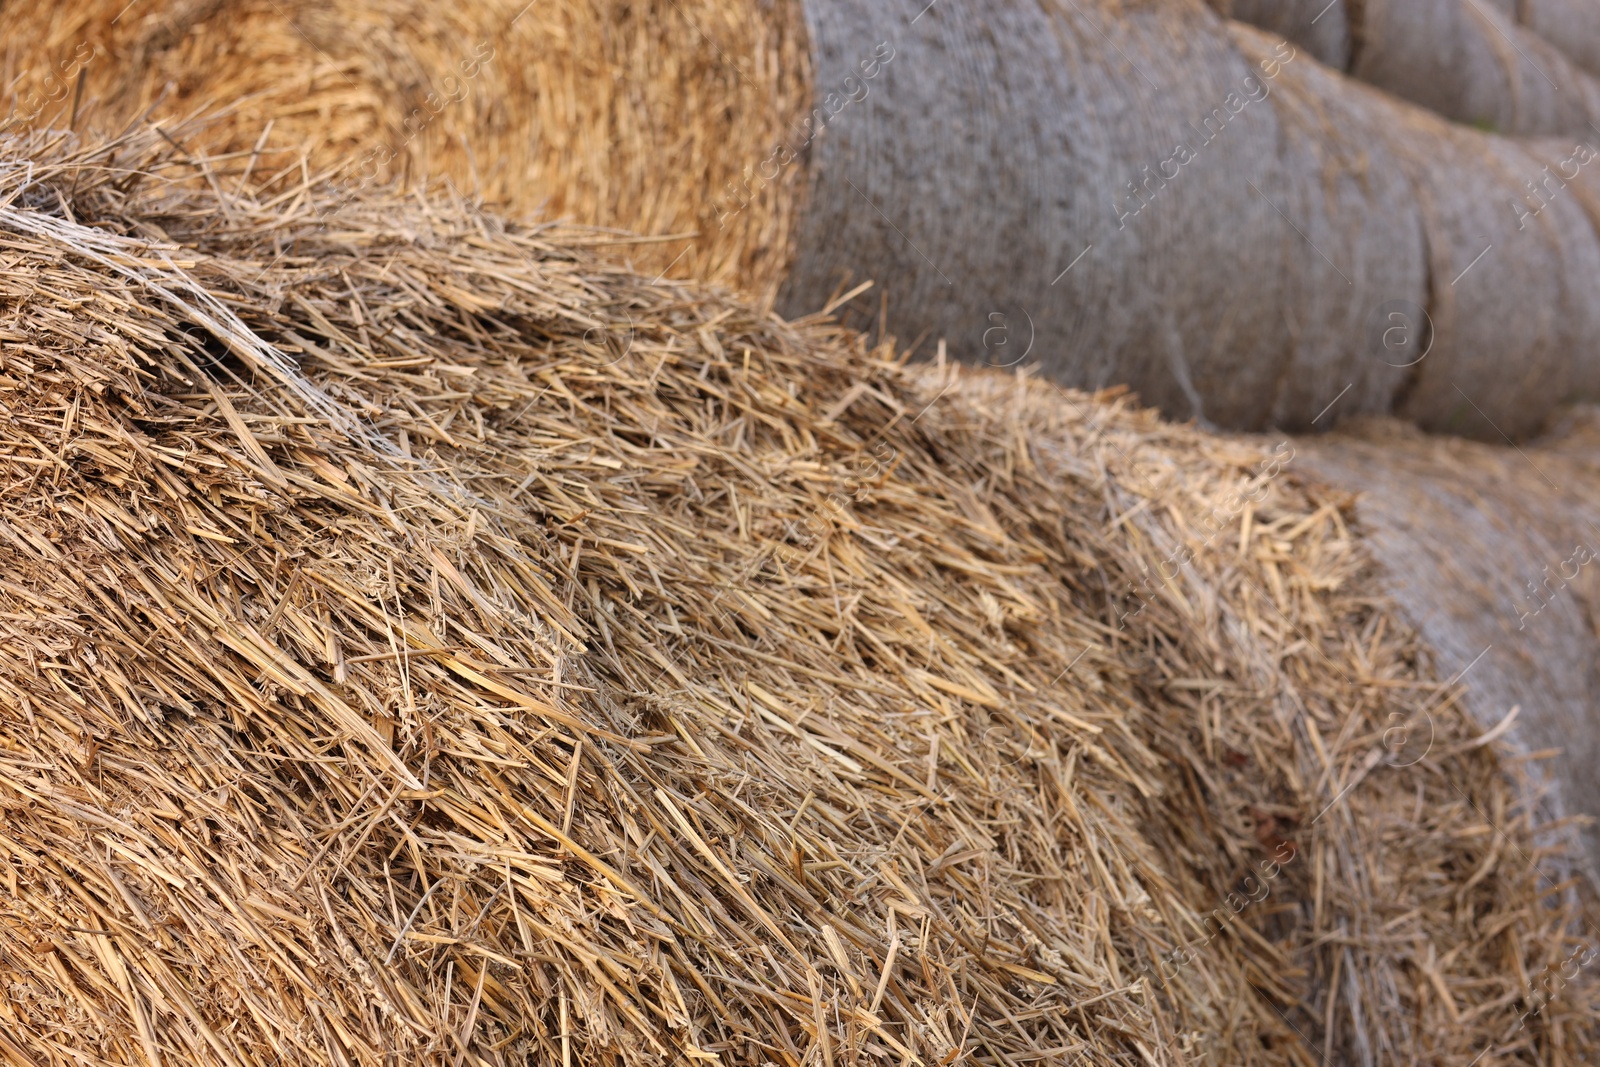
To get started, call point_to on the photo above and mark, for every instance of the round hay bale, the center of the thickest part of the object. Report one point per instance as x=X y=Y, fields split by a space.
x=1494 y=555
x=1143 y=195
x=892 y=197
x=422 y=641
x=1573 y=26
x=1469 y=60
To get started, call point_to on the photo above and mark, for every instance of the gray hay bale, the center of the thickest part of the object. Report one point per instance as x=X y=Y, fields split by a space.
x=1573 y=26
x=1227 y=244
x=1351 y=243
x=1162 y=161
x=1511 y=293
x=1472 y=61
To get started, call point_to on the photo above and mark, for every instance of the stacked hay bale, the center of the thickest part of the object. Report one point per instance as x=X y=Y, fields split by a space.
x=1191 y=209
x=615 y=114
x=1571 y=25
x=1491 y=554
x=1524 y=69
x=422 y=641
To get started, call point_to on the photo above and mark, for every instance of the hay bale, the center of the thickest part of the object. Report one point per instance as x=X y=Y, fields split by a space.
x=1468 y=60
x=890 y=198
x=616 y=114
x=1155 y=222
x=422 y=641
x=1356 y=243
x=1505 y=362
x=1325 y=32
x=1513 y=598
x=1571 y=25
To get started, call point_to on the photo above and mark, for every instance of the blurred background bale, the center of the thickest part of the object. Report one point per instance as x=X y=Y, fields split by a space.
x=1516 y=68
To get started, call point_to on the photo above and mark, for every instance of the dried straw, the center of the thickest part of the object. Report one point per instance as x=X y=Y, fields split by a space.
x=615 y=114
x=621 y=675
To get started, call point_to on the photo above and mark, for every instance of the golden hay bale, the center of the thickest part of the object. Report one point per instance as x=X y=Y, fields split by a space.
x=423 y=642
x=615 y=113
x=1192 y=209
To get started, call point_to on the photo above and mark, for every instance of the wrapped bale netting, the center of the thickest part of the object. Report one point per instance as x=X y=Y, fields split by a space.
x=1244 y=277
x=423 y=642
x=1190 y=208
x=1472 y=61
x=1498 y=215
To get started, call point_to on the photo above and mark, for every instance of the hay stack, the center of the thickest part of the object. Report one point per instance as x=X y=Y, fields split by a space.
x=423 y=642
x=1527 y=72
x=1243 y=279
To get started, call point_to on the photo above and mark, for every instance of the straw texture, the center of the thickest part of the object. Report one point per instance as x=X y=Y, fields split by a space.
x=423 y=642
x=650 y=117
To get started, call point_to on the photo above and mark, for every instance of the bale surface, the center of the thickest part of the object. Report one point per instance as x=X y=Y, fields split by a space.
x=421 y=641
x=1571 y=25
x=1325 y=32
x=893 y=191
x=1495 y=358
